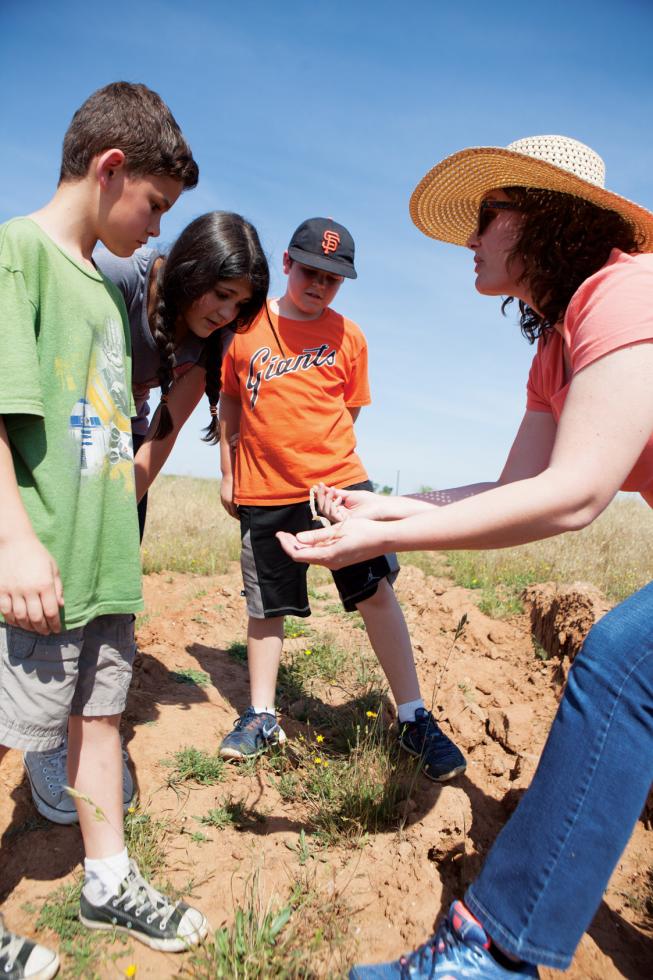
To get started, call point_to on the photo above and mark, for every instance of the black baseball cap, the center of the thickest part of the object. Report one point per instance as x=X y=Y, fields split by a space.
x=321 y=243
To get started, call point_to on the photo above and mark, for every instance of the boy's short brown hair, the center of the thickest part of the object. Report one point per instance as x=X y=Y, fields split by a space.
x=133 y=119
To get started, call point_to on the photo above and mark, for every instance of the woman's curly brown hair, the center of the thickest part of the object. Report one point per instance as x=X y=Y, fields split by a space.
x=563 y=240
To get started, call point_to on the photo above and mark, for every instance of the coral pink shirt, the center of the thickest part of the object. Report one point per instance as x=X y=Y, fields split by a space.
x=611 y=309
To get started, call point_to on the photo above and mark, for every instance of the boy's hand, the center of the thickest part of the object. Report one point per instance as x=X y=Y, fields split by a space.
x=337 y=546
x=227 y=496
x=31 y=592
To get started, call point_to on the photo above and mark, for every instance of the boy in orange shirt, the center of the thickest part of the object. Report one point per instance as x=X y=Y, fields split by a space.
x=293 y=386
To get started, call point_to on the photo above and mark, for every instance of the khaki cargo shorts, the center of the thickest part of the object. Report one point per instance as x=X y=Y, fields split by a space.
x=44 y=679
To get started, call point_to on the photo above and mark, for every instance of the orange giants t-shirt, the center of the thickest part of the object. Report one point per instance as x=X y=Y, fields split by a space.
x=613 y=308
x=294 y=390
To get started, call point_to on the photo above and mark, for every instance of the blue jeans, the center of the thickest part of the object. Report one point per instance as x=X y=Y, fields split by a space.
x=546 y=873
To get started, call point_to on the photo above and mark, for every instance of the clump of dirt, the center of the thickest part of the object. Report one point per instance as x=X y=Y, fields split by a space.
x=561 y=617
x=489 y=690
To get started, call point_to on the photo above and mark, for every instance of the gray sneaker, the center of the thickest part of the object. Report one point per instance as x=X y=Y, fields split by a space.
x=48 y=777
x=139 y=910
x=252 y=734
x=21 y=959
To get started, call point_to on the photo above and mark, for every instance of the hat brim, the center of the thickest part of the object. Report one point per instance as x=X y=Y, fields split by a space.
x=337 y=266
x=445 y=203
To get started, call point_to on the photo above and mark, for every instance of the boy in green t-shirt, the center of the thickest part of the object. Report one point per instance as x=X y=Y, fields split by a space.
x=69 y=547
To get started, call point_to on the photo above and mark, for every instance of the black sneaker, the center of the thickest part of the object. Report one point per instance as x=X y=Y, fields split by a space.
x=139 y=910
x=441 y=759
x=21 y=959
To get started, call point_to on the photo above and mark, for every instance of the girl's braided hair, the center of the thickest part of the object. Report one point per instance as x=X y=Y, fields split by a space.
x=216 y=246
x=562 y=240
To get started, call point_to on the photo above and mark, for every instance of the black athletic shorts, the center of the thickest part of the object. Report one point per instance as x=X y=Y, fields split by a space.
x=275 y=585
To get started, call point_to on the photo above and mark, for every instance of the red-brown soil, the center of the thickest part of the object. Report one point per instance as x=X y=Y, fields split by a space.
x=497 y=698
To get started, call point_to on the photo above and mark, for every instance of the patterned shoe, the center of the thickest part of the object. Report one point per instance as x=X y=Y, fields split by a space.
x=140 y=911
x=458 y=951
x=21 y=959
x=48 y=777
x=440 y=758
x=252 y=734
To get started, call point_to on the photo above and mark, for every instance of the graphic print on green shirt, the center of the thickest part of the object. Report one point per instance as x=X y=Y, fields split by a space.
x=65 y=396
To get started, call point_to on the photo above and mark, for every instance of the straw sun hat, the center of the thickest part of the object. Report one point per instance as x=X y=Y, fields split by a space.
x=445 y=203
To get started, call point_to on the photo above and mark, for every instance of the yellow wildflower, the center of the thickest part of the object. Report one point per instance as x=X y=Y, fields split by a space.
x=307 y=653
x=325 y=763
x=371 y=714
x=319 y=738
x=131 y=970
x=317 y=760
x=131 y=809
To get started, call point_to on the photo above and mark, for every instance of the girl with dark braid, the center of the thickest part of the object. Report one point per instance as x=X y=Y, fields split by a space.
x=214 y=277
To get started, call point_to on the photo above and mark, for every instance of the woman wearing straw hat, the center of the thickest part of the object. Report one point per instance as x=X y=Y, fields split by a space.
x=543 y=230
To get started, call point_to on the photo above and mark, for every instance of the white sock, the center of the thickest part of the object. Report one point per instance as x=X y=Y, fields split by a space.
x=103 y=876
x=406 y=711
x=269 y=710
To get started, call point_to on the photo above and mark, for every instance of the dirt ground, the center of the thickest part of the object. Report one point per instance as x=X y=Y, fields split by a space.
x=497 y=698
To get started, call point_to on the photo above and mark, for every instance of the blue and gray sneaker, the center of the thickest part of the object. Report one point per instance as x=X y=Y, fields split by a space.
x=458 y=951
x=252 y=734
x=440 y=758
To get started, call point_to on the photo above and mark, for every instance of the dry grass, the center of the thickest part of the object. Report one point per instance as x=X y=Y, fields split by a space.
x=614 y=554
x=187 y=528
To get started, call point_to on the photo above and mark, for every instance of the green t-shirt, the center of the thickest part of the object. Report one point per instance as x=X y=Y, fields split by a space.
x=65 y=396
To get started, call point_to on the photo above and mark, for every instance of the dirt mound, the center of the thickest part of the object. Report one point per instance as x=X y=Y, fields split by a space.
x=561 y=617
x=490 y=691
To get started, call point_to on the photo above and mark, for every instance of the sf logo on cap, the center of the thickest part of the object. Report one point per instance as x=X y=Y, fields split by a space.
x=330 y=241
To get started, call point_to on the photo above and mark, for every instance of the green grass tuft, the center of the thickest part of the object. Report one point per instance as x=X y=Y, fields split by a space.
x=293 y=627
x=144 y=840
x=189 y=675
x=193 y=765
x=238 y=651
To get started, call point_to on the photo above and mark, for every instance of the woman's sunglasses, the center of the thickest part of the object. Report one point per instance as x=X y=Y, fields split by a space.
x=488 y=211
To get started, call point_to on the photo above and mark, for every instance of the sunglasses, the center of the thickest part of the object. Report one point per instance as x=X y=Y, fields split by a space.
x=488 y=211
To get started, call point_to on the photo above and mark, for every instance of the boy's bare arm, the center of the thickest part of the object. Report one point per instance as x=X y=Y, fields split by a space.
x=229 y=427
x=31 y=592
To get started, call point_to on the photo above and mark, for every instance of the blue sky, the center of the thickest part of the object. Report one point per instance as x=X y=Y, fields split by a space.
x=296 y=109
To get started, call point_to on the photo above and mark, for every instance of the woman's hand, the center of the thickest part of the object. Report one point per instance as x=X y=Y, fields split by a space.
x=338 y=505
x=342 y=544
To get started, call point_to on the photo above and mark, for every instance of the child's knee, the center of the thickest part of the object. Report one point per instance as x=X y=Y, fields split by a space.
x=93 y=726
x=383 y=597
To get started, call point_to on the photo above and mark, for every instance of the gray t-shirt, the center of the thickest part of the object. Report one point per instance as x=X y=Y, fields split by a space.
x=132 y=277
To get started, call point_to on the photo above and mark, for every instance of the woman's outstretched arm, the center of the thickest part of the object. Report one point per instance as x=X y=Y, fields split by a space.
x=606 y=422
x=529 y=455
